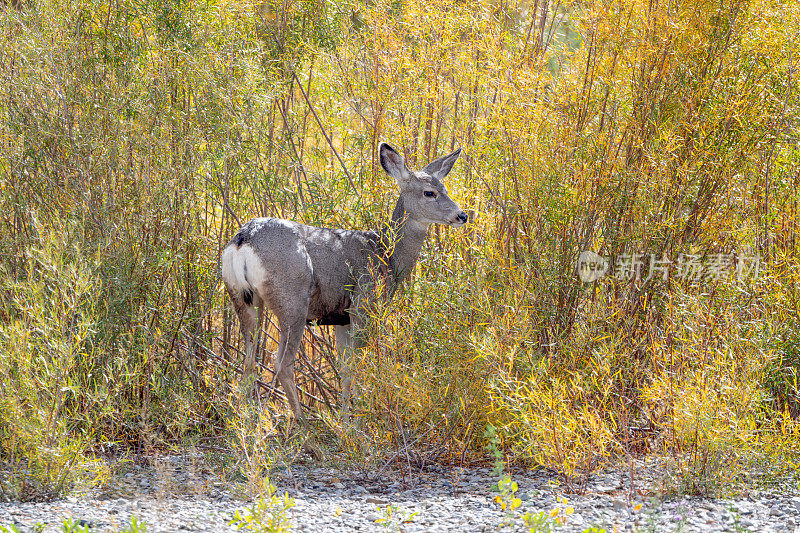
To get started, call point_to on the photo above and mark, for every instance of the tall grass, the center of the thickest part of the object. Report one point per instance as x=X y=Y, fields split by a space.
x=138 y=136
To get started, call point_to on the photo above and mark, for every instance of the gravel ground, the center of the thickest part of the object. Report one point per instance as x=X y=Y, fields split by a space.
x=175 y=494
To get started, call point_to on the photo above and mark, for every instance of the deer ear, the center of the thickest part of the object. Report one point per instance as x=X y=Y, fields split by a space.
x=394 y=164
x=442 y=166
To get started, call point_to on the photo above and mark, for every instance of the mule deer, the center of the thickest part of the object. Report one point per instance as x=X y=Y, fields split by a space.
x=304 y=273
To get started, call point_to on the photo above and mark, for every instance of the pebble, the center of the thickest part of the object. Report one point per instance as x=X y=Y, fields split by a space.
x=180 y=498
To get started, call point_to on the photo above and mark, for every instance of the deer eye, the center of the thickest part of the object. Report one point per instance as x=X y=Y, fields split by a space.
x=429 y=194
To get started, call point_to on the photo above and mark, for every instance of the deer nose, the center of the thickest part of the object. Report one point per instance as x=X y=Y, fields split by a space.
x=462 y=217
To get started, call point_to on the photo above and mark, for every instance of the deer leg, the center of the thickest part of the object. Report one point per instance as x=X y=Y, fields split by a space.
x=248 y=320
x=344 y=345
x=349 y=339
x=291 y=337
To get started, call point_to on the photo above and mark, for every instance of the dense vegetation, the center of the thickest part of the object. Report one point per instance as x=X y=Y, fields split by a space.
x=137 y=136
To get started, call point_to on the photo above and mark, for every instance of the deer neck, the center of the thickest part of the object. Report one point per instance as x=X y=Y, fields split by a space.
x=403 y=240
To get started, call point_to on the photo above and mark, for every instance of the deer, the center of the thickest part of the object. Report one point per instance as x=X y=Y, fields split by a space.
x=304 y=274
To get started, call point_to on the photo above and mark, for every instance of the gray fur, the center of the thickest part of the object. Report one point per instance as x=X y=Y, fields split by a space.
x=303 y=273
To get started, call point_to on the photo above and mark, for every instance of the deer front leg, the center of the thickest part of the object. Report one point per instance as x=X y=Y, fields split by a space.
x=349 y=339
x=344 y=345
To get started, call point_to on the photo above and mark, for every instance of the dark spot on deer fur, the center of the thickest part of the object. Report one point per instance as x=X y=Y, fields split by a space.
x=334 y=319
x=247 y=296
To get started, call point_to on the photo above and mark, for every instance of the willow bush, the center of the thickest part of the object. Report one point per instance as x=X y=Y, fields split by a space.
x=143 y=133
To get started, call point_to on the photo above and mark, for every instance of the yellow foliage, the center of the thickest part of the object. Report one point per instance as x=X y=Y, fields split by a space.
x=550 y=421
x=618 y=127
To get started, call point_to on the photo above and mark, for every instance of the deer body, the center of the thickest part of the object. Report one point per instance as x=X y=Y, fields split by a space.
x=303 y=273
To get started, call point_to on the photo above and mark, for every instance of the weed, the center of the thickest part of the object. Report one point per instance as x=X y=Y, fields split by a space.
x=737 y=526
x=70 y=525
x=507 y=499
x=538 y=522
x=506 y=487
x=135 y=526
x=269 y=514
x=546 y=521
x=542 y=521
x=394 y=517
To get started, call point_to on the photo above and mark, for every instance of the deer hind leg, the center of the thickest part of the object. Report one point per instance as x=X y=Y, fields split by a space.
x=291 y=337
x=248 y=320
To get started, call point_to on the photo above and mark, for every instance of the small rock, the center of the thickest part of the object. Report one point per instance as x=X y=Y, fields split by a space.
x=604 y=489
